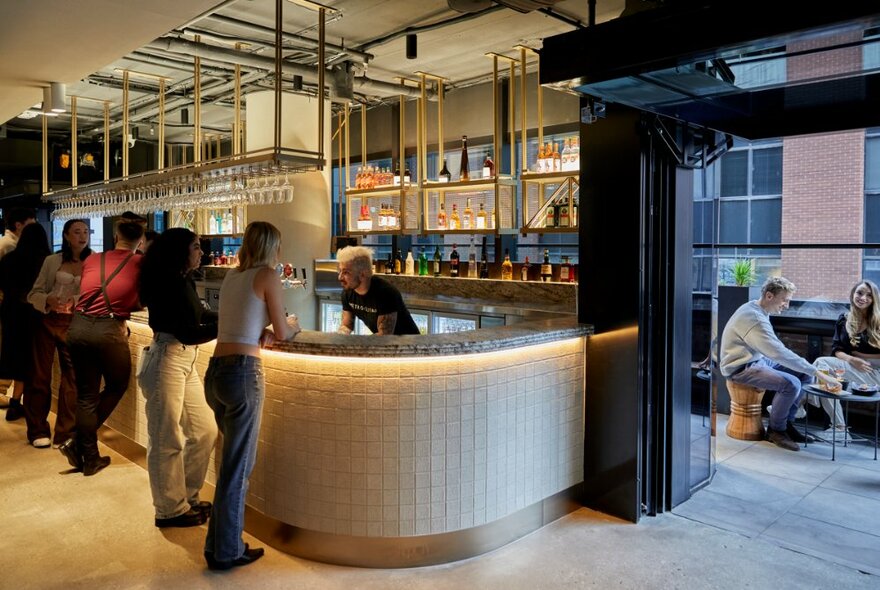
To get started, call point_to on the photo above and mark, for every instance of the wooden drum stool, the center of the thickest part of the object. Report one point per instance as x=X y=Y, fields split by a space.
x=745 y=412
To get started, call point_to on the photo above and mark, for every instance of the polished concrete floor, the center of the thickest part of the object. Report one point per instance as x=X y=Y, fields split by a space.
x=801 y=500
x=61 y=530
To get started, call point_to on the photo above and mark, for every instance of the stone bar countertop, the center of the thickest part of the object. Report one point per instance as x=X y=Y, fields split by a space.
x=524 y=333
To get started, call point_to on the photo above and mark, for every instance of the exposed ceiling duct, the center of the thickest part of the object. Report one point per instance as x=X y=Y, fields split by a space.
x=518 y=5
x=310 y=74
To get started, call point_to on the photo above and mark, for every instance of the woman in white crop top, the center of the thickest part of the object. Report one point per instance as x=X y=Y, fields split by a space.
x=250 y=298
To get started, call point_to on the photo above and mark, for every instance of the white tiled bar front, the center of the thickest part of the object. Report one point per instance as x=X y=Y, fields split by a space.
x=400 y=451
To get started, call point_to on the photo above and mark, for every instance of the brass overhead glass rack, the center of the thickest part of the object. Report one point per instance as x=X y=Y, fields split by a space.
x=208 y=196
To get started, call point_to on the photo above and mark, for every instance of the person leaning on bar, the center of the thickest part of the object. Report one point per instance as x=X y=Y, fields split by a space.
x=373 y=300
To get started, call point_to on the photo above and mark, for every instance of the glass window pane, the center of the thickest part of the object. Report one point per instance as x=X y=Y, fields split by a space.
x=872 y=164
x=734 y=226
x=872 y=218
x=766 y=221
x=767 y=173
x=734 y=174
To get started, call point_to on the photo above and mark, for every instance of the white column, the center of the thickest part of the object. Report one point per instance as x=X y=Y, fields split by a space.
x=305 y=223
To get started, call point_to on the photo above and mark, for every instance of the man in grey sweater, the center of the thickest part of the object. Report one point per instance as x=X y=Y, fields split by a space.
x=752 y=354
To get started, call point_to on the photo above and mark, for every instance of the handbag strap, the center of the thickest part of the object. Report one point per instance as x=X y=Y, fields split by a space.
x=105 y=282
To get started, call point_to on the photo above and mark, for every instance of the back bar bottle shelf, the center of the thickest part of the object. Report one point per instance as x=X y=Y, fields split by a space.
x=550 y=202
x=212 y=223
x=481 y=206
x=383 y=210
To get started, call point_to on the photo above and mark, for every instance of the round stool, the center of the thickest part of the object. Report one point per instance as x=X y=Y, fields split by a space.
x=745 y=412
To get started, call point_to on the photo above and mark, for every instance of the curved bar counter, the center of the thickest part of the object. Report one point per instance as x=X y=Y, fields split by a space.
x=399 y=451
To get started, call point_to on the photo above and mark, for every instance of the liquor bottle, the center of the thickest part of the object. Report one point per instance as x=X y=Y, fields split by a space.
x=441 y=217
x=539 y=165
x=548 y=157
x=410 y=264
x=546 y=268
x=212 y=225
x=454 y=260
x=464 y=172
x=550 y=217
x=211 y=258
x=365 y=222
x=423 y=263
x=437 y=258
x=557 y=159
x=359 y=178
x=222 y=259
x=472 y=261
x=574 y=158
x=481 y=218
x=407 y=177
x=444 y=175
x=398 y=263
x=454 y=219
x=565 y=166
x=565 y=271
x=397 y=174
x=484 y=262
x=389 y=264
x=524 y=272
x=381 y=216
x=397 y=218
x=573 y=214
x=467 y=218
x=563 y=218
x=488 y=167
x=506 y=267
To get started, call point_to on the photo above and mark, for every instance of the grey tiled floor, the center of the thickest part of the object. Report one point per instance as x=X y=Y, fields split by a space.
x=801 y=501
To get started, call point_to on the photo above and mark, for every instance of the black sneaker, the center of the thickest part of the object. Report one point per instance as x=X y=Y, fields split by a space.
x=15 y=410
x=795 y=434
x=191 y=517
x=781 y=439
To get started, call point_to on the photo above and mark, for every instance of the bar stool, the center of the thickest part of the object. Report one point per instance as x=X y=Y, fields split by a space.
x=745 y=412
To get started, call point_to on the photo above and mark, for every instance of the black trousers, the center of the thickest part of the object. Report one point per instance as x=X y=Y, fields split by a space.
x=99 y=349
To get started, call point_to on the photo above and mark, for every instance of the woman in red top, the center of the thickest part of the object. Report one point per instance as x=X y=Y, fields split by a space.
x=98 y=341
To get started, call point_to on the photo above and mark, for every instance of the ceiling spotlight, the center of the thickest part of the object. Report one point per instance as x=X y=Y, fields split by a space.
x=411 y=47
x=53 y=98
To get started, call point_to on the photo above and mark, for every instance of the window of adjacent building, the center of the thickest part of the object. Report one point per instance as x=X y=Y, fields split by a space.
x=871 y=260
x=746 y=186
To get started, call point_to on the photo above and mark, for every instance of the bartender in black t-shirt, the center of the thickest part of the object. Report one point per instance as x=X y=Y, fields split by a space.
x=372 y=299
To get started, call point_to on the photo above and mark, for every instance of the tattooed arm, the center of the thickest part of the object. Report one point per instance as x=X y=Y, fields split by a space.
x=386 y=324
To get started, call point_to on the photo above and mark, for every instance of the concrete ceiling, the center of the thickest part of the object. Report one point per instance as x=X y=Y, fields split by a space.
x=82 y=44
x=45 y=41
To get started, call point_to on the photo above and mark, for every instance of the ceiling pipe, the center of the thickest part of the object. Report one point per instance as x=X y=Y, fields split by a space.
x=259 y=62
x=361 y=55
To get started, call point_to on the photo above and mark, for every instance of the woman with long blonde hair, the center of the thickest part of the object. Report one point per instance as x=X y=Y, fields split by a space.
x=250 y=299
x=855 y=348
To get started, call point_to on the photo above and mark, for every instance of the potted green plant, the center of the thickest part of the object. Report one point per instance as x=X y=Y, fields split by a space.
x=743 y=271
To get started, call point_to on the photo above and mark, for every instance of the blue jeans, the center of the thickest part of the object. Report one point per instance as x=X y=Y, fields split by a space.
x=180 y=427
x=767 y=374
x=234 y=388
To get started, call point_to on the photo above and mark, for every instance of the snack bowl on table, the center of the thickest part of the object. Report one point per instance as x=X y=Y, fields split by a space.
x=863 y=388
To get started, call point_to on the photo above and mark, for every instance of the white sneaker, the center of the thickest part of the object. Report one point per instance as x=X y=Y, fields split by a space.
x=800 y=413
x=41 y=443
x=840 y=434
x=769 y=410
